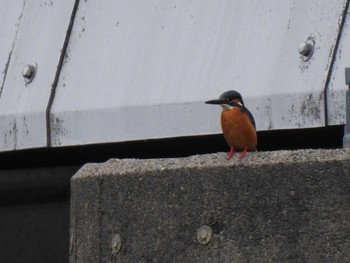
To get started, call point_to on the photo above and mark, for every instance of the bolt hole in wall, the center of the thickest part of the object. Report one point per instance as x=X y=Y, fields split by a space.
x=325 y=137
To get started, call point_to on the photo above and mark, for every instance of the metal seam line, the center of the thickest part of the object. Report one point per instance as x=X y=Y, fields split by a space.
x=57 y=75
x=334 y=54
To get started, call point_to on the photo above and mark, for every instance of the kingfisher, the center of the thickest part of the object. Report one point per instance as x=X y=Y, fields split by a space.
x=237 y=123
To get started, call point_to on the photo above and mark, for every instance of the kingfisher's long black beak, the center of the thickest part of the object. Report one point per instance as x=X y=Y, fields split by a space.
x=224 y=102
x=217 y=101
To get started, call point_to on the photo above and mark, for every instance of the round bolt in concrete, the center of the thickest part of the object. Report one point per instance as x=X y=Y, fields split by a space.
x=306 y=49
x=204 y=234
x=116 y=243
x=29 y=72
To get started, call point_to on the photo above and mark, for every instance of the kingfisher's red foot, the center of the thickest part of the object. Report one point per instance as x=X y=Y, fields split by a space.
x=243 y=153
x=230 y=154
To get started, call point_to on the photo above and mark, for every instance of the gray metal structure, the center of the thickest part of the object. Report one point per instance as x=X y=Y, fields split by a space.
x=346 y=140
x=85 y=72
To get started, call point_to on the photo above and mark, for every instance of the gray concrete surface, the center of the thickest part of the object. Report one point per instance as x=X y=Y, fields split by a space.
x=285 y=206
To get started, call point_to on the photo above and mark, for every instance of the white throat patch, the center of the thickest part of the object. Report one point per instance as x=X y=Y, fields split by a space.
x=229 y=107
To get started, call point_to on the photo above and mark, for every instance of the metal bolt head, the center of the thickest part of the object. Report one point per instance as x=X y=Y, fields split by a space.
x=116 y=243
x=29 y=72
x=204 y=234
x=306 y=49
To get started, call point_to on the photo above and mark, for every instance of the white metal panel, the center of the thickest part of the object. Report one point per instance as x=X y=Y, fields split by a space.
x=39 y=35
x=10 y=17
x=142 y=69
x=337 y=86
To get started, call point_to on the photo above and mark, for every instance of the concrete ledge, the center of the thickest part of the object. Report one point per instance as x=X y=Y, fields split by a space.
x=285 y=206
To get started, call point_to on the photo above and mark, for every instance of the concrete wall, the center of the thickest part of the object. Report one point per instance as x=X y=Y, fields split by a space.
x=286 y=206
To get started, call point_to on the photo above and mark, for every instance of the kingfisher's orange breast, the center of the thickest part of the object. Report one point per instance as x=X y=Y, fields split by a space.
x=238 y=131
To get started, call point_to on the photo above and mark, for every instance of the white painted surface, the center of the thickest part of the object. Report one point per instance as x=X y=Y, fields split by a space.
x=35 y=32
x=10 y=17
x=138 y=70
x=337 y=86
x=142 y=69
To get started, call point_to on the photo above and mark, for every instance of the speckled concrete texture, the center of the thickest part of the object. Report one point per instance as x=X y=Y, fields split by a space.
x=284 y=206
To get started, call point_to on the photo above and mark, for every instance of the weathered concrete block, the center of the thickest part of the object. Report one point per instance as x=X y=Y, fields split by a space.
x=286 y=206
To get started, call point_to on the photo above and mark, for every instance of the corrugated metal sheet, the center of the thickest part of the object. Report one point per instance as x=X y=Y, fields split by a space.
x=138 y=70
x=34 y=32
x=337 y=88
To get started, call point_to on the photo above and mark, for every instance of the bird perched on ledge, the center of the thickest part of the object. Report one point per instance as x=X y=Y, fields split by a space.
x=237 y=123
